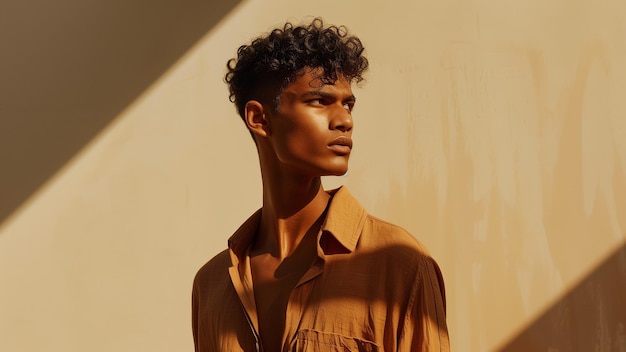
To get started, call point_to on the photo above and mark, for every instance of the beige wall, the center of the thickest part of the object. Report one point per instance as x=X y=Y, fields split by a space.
x=494 y=131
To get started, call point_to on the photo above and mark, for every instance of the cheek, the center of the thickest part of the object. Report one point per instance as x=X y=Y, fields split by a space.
x=301 y=146
x=316 y=129
x=301 y=135
x=311 y=137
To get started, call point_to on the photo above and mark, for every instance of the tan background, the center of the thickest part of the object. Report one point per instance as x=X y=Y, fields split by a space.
x=494 y=131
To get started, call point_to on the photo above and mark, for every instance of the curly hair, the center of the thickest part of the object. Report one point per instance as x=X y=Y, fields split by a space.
x=264 y=68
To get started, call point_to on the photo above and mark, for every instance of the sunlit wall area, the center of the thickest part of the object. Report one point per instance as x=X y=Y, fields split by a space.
x=495 y=132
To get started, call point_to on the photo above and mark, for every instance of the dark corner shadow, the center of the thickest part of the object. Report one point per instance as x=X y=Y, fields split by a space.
x=69 y=67
x=590 y=317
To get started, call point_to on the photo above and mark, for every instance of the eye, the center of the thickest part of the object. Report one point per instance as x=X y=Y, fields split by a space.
x=348 y=105
x=316 y=101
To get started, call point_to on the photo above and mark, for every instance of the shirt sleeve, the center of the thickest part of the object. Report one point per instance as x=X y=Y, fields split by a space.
x=194 y=315
x=425 y=326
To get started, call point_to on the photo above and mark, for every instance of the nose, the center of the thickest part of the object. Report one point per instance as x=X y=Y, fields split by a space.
x=341 y=120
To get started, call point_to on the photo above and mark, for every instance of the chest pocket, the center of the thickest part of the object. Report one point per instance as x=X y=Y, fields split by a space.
x=317 y=341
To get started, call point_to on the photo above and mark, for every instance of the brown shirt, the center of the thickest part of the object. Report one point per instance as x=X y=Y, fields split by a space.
x=373 y=287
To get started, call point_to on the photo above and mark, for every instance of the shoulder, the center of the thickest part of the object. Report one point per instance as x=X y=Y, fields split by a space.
x=380 y=233
x=395 y=246
x=403 y=252
x=214 y=271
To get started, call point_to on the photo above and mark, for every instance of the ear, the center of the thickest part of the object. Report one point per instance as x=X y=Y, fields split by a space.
x=254 y=116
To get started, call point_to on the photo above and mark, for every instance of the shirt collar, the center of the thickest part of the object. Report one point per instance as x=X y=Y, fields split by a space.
x=242 y=239
x=345 y=219
x=344 y=222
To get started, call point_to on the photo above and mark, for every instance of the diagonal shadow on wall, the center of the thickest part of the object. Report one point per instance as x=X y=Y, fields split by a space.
x=69 y=67
x=590 y=317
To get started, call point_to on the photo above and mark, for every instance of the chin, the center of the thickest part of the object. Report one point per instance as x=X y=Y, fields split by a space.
x=334 y=168
x=337 y=172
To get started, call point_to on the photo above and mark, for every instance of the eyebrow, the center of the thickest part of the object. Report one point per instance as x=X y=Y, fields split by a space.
x=328 y=95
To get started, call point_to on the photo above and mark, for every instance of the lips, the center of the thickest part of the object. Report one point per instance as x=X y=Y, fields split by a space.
x=341 y=145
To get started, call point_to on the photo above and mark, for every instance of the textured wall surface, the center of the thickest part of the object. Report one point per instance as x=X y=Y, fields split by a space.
x=495 y=132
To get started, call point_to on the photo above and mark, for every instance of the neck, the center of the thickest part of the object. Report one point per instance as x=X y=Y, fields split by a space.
x=292 y=207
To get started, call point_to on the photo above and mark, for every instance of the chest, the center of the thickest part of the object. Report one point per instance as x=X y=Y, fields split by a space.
x=273 y=282
x=331 y=303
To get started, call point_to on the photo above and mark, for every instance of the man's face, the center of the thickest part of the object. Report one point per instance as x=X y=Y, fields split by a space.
x=312 y=127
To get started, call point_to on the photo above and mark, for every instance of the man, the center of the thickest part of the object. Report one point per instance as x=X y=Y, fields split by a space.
x=311 y=270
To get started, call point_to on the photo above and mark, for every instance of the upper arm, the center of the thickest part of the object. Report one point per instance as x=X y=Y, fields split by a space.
x=194 y=315
x=425 y=327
